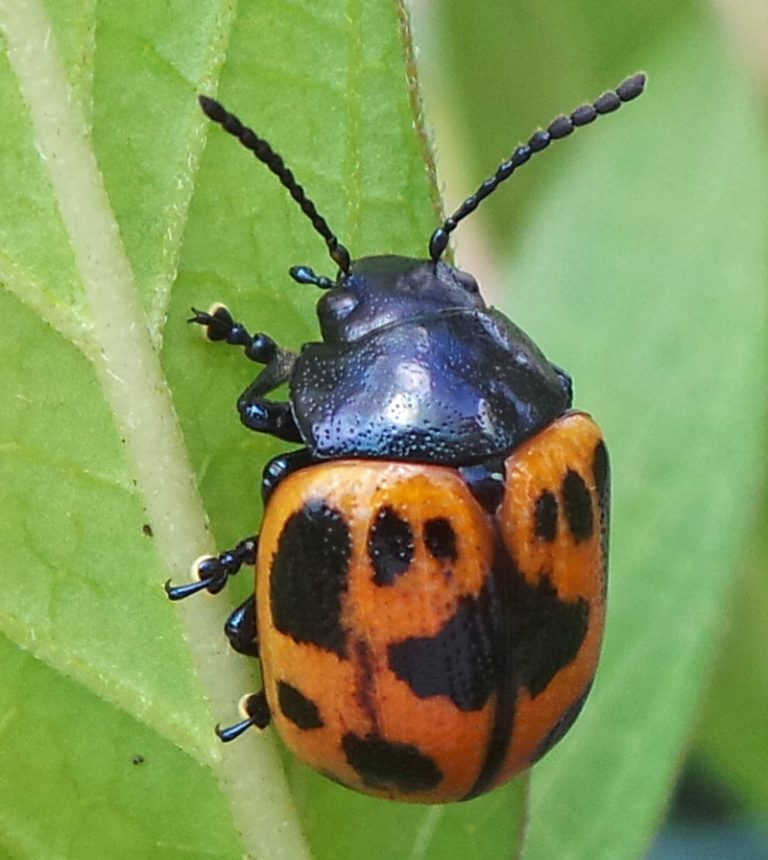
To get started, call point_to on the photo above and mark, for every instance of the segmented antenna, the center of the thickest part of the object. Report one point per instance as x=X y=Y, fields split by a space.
x=560 y=127
x=264 y=152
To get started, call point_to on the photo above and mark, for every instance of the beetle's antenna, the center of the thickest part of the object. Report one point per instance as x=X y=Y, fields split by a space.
x=560 y=127
x=264 y=152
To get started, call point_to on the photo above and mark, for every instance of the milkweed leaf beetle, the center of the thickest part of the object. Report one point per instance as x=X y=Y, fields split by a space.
x=431 y=566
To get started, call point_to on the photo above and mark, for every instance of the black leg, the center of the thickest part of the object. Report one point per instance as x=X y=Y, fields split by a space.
x=280 y=467
x=257 y=709
x=220 y=325
x=267 y=416
x=256 y=412
x=241 y=630
x=213 y=571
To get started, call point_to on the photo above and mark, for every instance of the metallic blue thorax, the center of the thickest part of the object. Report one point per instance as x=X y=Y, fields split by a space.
x=414 y=366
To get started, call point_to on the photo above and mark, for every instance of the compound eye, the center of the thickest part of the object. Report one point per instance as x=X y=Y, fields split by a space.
x=340 y=305
x=466 y=281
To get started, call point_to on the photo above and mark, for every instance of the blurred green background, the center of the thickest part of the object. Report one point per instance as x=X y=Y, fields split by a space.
x=634 y=253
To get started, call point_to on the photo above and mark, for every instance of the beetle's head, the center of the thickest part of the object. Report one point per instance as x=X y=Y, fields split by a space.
x=383 y=291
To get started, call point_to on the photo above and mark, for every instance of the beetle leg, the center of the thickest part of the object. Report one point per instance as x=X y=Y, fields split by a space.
x=241 y=630
x=213 y=571
x=220 y=325
x=267 y=416
x=280 y=467
x=257 y=710
x=256 y=412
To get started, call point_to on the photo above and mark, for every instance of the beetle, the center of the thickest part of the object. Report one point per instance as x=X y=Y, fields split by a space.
x=431 y=565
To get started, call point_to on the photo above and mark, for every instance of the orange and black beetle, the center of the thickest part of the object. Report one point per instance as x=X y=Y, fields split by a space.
x=430 y=586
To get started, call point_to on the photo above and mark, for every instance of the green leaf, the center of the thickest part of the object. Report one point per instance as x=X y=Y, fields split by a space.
x=124 y=207
x=83 y=778
x=341 y=824
x=732 y=739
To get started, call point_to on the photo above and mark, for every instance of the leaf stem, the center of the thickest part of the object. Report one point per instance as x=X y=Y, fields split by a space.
x=130 y=373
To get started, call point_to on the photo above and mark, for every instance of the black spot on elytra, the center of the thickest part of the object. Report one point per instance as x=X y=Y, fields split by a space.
x=390 y=546
x=560 y=728
x=511 y=634
x=440 y=539
x=545 y=517
x=309 y=577
x=460 y=661
x=300 y=710
x=601 y=468
x=577 y=502
x=537 y=634
x=602 y=472
x=546 y=632
x=386 y=764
